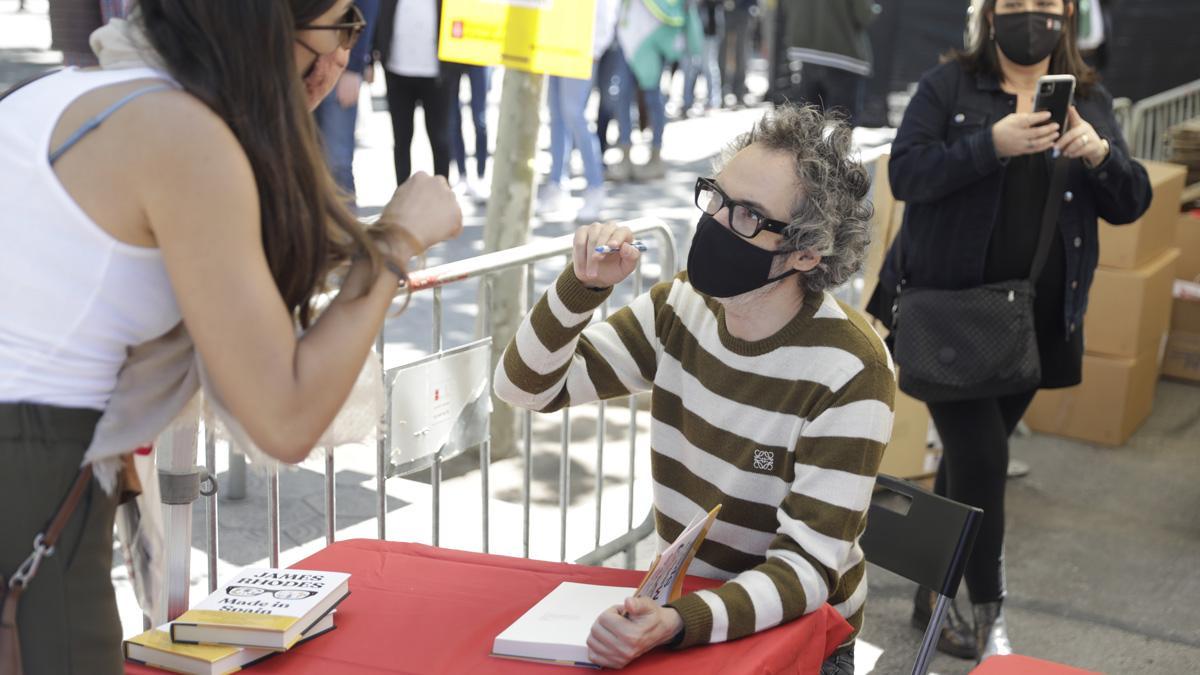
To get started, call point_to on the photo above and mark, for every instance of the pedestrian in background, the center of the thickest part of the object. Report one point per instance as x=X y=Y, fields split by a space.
x=567 y=98
x=712 y=23
x=72 y=23
x=735 y=48
x=479 y=79
x=337 y=116
x=608 y=82
x=972 y=162
x=406 y=43
x=829 y=39
x=649 y=32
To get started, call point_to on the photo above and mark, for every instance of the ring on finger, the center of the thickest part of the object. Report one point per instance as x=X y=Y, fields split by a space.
x=1083 y=140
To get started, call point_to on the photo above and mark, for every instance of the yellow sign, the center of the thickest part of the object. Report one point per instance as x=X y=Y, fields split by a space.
x=539 y=36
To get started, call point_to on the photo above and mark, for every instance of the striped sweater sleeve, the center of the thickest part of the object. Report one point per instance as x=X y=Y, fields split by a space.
x=557 y=359
x=814 y=553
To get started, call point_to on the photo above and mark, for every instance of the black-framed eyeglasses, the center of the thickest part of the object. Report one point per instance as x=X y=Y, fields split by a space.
x=743 y=219
x=351 y=28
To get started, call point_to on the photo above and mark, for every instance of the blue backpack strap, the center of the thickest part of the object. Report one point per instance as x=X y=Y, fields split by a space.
x=92 y=124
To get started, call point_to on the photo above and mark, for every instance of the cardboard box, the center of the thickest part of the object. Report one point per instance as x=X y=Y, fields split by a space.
x=1182 y=357
x=1185 y=316
x=883 y=225
x=1131 y=246
x=1187 y=240
x=908 y=455
x=1116 y=396
x=1129 y=311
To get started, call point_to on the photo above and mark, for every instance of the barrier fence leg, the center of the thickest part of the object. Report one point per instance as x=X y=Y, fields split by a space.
x=177 y=454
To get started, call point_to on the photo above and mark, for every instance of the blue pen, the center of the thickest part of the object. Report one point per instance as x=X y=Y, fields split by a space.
x=636 y=243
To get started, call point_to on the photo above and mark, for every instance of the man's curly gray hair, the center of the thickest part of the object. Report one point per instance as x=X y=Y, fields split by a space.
x=831 y=214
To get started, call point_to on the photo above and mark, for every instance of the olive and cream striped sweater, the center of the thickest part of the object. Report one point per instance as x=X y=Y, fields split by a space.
x=786 y=432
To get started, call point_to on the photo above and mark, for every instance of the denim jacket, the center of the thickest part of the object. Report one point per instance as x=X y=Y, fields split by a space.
x=944 y=167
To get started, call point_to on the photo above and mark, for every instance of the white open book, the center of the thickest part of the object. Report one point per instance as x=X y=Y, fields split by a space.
x=556 y=629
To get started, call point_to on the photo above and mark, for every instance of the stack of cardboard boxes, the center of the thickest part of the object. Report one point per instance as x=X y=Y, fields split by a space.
x=1182 y=358
x=1128 y=316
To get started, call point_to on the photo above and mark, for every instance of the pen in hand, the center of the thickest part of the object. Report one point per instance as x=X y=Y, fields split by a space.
x=636 y=243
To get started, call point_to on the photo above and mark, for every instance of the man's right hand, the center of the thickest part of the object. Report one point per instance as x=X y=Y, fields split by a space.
x=1024 y=134
x=602 y=270
x=425 y=206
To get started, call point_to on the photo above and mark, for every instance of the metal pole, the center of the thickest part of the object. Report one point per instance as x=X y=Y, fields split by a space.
x=330 y=498
x=564 y=483
x=601 y=409
x=929 y=642
x=381 y=452
x=485 y=450
x=633 y=428
x=435 y=480
x=210 y=502
x=236 y=489
x=273 y=512
x=435 y=471
x=177 y=454
x=527 y=423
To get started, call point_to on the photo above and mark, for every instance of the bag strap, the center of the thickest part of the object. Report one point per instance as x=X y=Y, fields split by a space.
x=44 y=542
x=1054 y=200
x=28 y=80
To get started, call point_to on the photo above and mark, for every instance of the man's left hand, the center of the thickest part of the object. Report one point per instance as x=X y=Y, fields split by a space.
x=1082 y=141
x=347 y=88
x=625 y=632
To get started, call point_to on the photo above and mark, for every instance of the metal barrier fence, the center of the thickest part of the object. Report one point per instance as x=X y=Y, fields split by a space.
x=1152 y=117
x=1123 y=111
x=179 y=453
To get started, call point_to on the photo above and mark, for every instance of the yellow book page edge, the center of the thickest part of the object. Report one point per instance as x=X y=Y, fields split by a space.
x=212 y=617
x=160 y=641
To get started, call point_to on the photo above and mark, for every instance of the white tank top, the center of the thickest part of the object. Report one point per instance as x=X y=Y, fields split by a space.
x=72 y=298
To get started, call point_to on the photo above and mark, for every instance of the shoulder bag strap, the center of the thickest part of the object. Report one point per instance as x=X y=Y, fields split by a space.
x=30 y=80
x=12 y=589
x=45 y=541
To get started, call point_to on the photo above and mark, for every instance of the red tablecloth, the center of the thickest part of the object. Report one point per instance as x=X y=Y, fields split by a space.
x=1015 y=664
x=418 y=609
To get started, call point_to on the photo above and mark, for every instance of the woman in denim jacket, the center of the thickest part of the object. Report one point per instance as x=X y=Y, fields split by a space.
x=971 y=162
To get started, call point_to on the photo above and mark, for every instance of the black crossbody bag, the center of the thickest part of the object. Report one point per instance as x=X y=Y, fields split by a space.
x=954 y=345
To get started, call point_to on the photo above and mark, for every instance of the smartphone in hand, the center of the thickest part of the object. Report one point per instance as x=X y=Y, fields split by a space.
x=1055 y=93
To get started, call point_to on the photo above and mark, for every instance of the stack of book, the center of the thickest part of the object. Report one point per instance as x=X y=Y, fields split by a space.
x=255 y=614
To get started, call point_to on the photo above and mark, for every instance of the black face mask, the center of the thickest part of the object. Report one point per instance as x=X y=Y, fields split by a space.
x=1027 y=37
x=723 y=264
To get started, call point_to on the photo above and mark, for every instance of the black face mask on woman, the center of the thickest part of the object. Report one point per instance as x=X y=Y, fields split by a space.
x=1027 y=37
x=723 y=264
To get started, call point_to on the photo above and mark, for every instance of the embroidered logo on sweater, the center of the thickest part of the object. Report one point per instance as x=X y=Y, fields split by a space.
x=764 y=460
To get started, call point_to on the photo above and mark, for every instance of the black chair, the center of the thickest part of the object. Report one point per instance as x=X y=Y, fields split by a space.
x=928 y=542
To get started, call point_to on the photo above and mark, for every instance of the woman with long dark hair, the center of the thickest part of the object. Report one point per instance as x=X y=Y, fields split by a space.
x=181 y=182
x=973 y=163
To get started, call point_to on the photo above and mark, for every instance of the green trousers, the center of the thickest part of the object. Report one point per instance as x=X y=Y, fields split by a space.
x=68 y=617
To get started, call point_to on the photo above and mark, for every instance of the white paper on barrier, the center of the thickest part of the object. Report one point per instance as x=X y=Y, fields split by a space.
x=440 y=405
